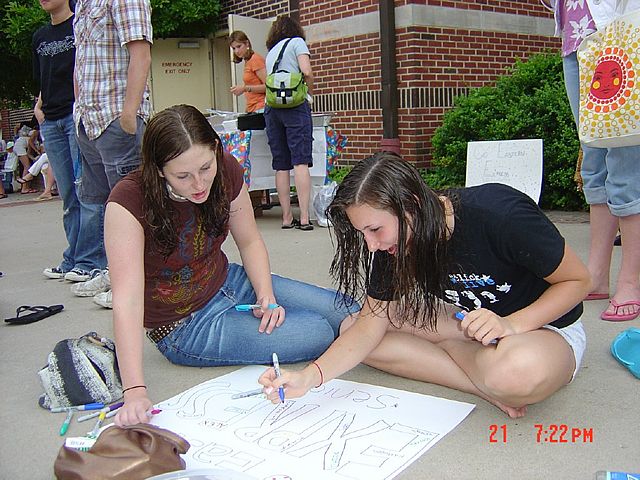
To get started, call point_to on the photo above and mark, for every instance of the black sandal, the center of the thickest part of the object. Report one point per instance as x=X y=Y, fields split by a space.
x=305 y=227
x=38 y=312
x=295 y=223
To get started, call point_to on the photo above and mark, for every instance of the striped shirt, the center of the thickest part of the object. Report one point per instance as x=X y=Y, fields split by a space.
x=102 y=29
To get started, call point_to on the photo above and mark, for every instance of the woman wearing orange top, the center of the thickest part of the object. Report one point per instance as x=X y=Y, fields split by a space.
x=255 y=72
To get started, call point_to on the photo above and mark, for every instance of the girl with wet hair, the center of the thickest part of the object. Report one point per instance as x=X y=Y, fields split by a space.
x=474 y=289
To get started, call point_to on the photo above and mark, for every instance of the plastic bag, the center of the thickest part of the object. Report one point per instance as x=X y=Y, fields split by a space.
x=321 y=201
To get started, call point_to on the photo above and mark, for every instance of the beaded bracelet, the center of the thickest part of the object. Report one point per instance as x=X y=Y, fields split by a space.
x=321 y=374
x=131 y=388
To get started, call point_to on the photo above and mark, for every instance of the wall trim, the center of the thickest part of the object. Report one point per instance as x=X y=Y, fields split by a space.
x=431 y=16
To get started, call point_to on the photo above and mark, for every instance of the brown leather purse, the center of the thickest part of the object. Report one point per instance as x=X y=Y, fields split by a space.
x=124 y=453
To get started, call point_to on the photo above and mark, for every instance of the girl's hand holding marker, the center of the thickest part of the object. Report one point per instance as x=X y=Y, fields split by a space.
x=484 y=325
x=272 y=316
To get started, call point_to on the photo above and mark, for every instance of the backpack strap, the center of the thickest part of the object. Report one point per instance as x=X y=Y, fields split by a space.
x=275 y=65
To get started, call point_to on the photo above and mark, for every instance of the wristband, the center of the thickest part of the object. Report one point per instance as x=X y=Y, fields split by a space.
x=136 y=386
x=321 y=375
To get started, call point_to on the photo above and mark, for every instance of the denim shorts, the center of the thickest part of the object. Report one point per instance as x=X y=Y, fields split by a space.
x=290 y=136
x=609 y=175
x=218 y=335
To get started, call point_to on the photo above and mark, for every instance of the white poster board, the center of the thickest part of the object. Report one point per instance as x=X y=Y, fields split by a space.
x=517 y=163
x=341 y=430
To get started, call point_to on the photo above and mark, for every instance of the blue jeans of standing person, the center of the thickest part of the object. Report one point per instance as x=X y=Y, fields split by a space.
x=107 y=159
x=218 y=335
x=82 y=223
x=610 y=175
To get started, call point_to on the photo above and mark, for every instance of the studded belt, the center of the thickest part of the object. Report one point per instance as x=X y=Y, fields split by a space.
x=158 y=333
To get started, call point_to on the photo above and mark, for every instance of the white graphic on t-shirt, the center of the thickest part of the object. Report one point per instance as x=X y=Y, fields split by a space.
x=472 y=280
x=50 y=49
x=505 y=287
x=471 y=296
x=452 y=297
x=492 y=298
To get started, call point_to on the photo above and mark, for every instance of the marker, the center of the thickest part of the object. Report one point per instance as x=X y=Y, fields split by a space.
x=460 y=315
x=88 y=406
x=250 y=393
x=65 y=424
x=113 y=407
x=248 y=307
x=276 y=367
x=96 y=429
x=153 y=412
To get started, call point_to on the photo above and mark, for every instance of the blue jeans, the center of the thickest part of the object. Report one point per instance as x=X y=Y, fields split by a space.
x=609 y=175
x=82 y=223
x=107 y=159
x=218 y=335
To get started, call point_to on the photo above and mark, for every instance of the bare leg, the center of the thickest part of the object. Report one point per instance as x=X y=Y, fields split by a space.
x=521 y=370
x=604 y=228
x=628 y=283
x=50 y=179
x=303 y=189
x=418 y=355
x=283 y=187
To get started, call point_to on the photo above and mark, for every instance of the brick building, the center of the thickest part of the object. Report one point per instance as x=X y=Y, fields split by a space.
x=442 y=48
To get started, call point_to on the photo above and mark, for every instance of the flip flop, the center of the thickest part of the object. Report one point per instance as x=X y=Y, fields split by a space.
x=625 y=348
x=38 y=312
x=596 y=296
x=619 y=317
x=295 y=223
x=305 y=227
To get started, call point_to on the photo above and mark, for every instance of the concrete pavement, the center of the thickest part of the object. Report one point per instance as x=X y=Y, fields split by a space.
x=602 y=401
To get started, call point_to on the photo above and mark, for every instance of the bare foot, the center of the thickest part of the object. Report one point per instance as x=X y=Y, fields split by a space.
x=513 y=412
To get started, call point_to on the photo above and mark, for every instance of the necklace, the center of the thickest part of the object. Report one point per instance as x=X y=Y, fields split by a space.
x=174 y=196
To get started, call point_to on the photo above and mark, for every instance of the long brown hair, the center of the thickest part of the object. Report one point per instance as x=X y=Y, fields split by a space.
x=283 y=27
x=419 y=272
x=240 y=36
x=170 y=133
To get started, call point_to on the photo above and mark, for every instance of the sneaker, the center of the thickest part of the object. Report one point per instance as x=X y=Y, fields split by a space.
x=53 y=272
x=77 y=275
x=103 y=299
x=98 y=283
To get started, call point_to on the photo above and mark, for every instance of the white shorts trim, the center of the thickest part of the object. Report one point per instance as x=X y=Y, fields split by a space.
x=575 y=336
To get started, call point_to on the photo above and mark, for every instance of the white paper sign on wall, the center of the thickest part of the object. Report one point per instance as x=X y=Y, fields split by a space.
x=517 y=163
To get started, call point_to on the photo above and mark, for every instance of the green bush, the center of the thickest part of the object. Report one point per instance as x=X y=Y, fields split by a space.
x=529 y=102
x=337 y=174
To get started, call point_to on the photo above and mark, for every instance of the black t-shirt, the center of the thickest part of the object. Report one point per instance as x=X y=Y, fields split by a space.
x=501 y=249
x=53 y=59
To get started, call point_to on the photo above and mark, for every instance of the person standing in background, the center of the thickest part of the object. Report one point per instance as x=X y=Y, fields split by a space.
x=290 y=130
x=611 y=176
x=53 y=63
x=113 y=58
x=254 y=75
x=21 y=149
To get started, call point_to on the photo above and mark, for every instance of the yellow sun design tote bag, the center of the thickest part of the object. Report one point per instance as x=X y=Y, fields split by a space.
x=609 y=62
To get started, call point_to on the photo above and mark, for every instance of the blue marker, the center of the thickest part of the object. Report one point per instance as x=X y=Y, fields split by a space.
x=460 y=315
x=88 y=406
x=276 y=367
x=249 y=307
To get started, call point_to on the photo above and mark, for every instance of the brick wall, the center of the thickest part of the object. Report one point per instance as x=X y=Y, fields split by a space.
x=251 y=8
x=433 y=66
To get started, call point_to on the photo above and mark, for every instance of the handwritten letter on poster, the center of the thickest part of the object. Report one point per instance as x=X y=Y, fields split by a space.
x=341 y=430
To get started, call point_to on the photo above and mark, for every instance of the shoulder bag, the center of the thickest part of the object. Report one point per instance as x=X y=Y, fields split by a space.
x=609 y=61
x=285 y=89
